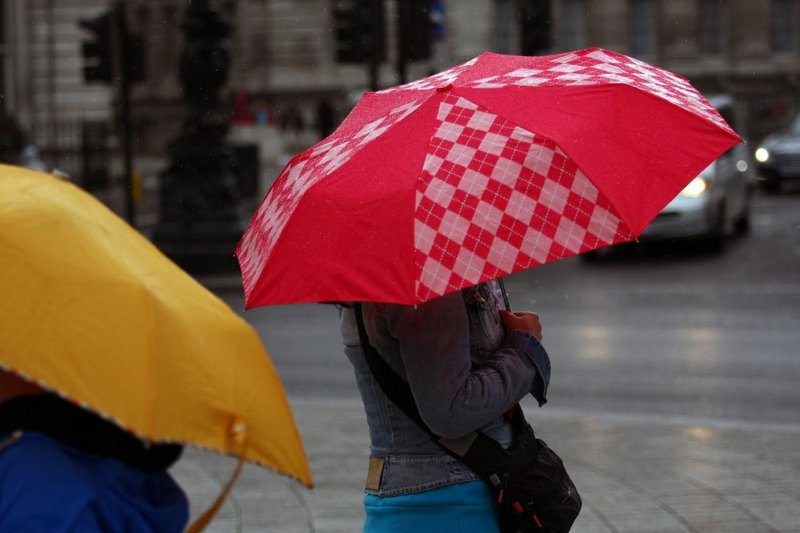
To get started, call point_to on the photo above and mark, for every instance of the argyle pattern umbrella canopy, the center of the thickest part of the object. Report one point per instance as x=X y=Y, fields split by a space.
x=497 y=165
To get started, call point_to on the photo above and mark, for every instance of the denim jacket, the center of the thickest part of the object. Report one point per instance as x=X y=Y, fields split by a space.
x=464 y=374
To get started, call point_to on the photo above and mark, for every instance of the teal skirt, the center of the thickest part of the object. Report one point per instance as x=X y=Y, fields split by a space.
x=463 y=507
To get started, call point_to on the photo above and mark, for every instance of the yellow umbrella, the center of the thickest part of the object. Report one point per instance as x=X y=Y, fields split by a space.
x=90 y=309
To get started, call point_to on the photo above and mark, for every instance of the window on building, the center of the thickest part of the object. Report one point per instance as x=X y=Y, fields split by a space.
x=641 y=28
x=711 y=27
x=784 y=26
x=572 y=26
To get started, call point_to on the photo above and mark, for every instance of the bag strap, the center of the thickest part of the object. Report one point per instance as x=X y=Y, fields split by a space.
x=399 y=393
x=395 y=387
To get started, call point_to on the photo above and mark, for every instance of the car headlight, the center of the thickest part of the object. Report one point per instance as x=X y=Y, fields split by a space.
x=696 y=188
x=762 y=155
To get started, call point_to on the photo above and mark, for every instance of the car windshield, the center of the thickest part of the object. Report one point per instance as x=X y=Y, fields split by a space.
x=708 y=172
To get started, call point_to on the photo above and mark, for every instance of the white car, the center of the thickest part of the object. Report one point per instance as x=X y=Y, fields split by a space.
x=717 y=202
x=778 y=157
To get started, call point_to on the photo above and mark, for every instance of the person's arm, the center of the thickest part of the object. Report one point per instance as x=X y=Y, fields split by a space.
x=453 y=398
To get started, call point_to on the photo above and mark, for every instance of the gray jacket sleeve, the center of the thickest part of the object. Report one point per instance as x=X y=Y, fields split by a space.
x=454 y=397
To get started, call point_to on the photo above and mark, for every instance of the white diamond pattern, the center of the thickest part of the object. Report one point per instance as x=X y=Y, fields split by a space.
x=516 y=201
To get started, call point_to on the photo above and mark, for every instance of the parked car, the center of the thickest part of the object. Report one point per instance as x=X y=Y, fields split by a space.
x=717 y=202
x=778 y=157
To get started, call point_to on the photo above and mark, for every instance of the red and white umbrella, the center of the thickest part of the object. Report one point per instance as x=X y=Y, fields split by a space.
x=497 y=165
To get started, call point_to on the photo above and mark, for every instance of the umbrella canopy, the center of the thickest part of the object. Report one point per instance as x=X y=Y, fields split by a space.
x=90 y=309
x=496 y=165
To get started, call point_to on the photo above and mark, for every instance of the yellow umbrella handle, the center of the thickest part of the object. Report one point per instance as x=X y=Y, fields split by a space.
x=239 y=431
x=204 y=519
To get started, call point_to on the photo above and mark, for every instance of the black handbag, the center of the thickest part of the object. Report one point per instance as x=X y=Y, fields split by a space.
x=533 y=490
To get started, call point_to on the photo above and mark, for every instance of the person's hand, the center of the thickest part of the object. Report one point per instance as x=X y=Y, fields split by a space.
x=524 y=321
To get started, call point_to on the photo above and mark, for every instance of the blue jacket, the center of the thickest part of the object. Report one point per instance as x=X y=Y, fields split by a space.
x=464 y=374
x=49 y=486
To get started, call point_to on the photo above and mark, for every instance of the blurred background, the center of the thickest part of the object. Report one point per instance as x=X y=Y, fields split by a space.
x=675 y=357
x=94 y=89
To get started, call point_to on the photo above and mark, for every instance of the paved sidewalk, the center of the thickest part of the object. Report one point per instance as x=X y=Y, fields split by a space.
x=635 y=473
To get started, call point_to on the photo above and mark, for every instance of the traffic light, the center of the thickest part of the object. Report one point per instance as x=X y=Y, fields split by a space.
x=98 y=51
x=534 y=27
x=101 y=59
x=359 y=30
x=416 y=29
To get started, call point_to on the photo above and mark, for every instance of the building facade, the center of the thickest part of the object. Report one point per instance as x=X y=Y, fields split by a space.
x=284 y=57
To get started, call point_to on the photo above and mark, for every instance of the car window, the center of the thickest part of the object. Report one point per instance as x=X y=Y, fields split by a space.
x=727 y=113
x=708 y=172
x=794 y=127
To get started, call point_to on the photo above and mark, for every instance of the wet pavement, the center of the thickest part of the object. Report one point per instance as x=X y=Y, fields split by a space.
x=635 y=473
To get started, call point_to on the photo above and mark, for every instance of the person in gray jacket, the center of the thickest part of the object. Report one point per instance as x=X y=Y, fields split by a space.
x=467 y=362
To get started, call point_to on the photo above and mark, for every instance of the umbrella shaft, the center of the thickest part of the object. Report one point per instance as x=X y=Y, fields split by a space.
x=505 y=294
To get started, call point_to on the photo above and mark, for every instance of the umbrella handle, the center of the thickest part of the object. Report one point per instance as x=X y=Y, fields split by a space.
x=505 y=294
x=203 y=520
x=239 y=433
